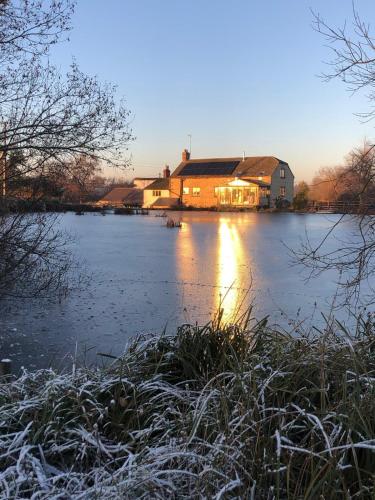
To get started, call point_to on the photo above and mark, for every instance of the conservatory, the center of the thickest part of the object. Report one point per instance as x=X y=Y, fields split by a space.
x=242 y=192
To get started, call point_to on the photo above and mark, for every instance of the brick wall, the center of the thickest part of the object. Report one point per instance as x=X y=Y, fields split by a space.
x=206 y=197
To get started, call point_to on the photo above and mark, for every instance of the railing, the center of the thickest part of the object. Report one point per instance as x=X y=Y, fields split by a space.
x=342 y=206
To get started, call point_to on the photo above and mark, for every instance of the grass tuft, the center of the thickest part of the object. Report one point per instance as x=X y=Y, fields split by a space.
x=219 y=411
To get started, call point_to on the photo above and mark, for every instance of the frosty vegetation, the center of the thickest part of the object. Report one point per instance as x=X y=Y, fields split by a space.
x=213 y=412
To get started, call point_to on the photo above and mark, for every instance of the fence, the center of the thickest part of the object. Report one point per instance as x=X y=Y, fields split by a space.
x=349 y=207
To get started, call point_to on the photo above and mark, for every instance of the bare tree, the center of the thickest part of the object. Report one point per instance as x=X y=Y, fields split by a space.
x=353 y=60
x=50 y=124
x=30 y=27
x=325 y=185
x=54 y=120
x=35 y=257
x=348 y=247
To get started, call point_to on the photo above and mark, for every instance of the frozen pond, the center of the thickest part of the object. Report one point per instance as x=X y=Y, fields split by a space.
x=145 y=277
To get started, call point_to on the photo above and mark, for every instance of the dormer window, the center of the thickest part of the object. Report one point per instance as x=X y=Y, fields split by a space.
x=282 y=173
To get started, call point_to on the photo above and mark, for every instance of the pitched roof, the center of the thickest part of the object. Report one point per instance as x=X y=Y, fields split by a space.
x=165 y=203
x=251 y=166
x=134 y=197
x=162 y=183
x=144 y=178
x=124 y=195
x=204 y=167
x=259 y=183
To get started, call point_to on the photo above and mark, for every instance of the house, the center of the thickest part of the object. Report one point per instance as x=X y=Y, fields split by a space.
x=122 y=197
x=231 y=182
x=158 y=193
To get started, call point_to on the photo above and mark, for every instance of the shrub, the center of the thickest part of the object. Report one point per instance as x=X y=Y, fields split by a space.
x=281 y=203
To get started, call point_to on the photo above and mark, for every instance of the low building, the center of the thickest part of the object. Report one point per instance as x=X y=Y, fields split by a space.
x=231 y=182
x=157 y=194
x=122 y=197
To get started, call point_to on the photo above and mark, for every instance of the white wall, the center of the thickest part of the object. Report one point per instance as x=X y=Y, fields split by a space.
x=149 y=198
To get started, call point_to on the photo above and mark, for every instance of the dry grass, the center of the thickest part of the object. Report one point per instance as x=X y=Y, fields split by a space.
x=214 y=412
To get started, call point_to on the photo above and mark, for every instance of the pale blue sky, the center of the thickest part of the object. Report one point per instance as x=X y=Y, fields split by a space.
x=238 y=75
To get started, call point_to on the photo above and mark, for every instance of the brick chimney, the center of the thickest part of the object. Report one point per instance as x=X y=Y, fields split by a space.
x=185 y=155
x=166 y=172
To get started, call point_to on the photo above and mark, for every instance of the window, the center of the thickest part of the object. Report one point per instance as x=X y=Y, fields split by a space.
x=237 y=196
x=156 y=192
x=196 y=191
x=282 y=190
x=282 y=173
x=225 y=196
x=185 y=190
x=249 y=196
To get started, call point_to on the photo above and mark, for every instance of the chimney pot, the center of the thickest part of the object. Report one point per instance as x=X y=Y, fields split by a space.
x=166 y=172
x=185 y=155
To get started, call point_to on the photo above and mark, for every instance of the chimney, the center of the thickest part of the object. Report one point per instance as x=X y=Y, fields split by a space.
x=185 y=155
x=166 y=172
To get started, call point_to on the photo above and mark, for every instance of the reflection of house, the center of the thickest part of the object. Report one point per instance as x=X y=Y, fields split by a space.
x=122 y=197
x=240 y=182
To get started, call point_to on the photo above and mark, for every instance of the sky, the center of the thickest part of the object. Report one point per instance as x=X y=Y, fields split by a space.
x=239 y=76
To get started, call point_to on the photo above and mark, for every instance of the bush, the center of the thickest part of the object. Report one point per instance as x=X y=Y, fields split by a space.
x=281 y=203
x=300 y=201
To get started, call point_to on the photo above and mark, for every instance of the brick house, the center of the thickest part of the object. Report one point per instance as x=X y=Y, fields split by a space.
x=238 y=182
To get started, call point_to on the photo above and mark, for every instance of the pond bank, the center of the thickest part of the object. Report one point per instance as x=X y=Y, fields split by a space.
x=215 y=411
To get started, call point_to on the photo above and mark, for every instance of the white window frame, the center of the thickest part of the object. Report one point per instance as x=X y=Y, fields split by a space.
x=196 y=191
x=282 y=173
x=185 y=190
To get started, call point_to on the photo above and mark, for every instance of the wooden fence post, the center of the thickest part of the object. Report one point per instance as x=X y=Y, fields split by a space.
x=5 y=369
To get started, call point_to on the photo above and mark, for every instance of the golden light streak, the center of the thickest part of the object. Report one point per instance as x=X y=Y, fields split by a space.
x=230 y=256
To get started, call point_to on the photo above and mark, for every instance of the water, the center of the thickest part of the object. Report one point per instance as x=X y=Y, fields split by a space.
x=145 y=277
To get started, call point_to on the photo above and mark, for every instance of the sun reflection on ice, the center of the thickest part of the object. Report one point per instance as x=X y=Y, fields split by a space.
x=230 y=256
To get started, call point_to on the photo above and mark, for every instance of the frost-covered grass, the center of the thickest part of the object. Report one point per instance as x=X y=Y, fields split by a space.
x=214 y=412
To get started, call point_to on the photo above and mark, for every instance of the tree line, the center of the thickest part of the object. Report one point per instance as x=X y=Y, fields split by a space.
x=351 y=183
